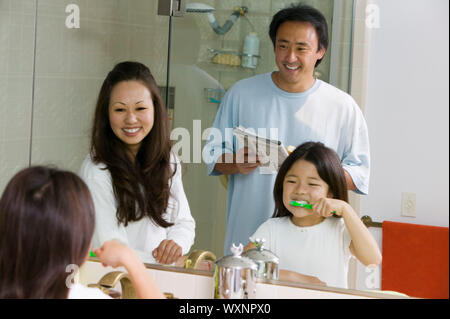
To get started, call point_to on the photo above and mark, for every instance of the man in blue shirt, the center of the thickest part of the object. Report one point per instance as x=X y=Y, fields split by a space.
x=298 y=107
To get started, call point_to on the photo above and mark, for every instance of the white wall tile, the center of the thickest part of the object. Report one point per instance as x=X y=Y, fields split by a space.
x=72 y=63
x=16 y=56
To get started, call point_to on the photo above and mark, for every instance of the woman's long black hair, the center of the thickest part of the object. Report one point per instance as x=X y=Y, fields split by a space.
x=142 y=187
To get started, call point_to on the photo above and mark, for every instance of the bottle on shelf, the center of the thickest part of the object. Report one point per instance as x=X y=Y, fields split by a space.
x=250 y=53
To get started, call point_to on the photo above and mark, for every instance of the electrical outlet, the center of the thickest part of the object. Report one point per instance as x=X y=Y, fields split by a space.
x=409 y=204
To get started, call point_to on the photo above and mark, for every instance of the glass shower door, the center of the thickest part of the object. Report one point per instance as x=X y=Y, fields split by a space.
x=197 y=93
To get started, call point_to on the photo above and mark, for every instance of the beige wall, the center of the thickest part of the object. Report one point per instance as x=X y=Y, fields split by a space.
x=406 y=107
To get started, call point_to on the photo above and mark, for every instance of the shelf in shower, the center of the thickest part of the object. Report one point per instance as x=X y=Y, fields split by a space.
x=215 y=67
x=229 y=58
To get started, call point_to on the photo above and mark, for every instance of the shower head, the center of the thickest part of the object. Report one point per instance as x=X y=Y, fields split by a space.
x=199 y=7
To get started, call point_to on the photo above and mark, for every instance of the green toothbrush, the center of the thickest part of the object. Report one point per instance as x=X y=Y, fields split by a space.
x=303 y=204
x=300 y=204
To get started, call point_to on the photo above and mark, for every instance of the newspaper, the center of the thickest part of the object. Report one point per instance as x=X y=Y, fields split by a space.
x=271 y=153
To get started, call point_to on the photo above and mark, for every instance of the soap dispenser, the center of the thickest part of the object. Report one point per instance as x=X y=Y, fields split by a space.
x=250 y=53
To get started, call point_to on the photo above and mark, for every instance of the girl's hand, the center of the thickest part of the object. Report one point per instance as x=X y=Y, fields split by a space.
x=167 y=252
x=113 y=253
x=326 y=206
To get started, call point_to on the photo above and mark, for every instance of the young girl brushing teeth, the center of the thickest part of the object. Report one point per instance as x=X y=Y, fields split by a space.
x=314 y=231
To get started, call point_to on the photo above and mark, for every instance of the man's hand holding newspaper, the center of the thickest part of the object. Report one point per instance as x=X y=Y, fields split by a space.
x=270 y=154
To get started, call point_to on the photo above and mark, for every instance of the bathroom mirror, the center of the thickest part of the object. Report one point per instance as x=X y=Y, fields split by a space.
x=55 y=54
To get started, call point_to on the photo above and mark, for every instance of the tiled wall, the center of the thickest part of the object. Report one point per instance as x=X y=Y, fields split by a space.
x=70 y=65
x=16 y=82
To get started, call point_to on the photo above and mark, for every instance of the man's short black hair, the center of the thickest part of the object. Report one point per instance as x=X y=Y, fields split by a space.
x=301 y=13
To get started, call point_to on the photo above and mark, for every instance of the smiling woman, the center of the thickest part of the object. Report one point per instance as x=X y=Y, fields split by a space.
x=134 y=178
x=131 y=113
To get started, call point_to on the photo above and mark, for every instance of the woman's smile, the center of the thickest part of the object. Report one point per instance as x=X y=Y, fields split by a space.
x=131 y=131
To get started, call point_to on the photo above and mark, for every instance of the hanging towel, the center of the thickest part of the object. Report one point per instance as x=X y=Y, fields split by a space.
x=415 y=260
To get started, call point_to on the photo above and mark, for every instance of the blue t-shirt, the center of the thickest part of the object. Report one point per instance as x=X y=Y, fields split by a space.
x=323 y=113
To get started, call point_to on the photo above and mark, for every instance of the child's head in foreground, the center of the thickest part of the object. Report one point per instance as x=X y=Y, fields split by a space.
x=46 y=224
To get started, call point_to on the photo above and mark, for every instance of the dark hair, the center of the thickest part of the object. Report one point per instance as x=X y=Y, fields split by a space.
x=47 y=221
x=328 y=167
x=301 y=13
x=146 y=180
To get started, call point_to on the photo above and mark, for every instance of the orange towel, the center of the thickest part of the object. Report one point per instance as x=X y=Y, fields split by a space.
x=415 y=260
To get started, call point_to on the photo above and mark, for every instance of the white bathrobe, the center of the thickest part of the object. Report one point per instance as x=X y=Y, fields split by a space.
x=144 y=235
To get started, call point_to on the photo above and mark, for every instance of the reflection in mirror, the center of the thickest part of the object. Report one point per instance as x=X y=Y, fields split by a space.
x=52 y=76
